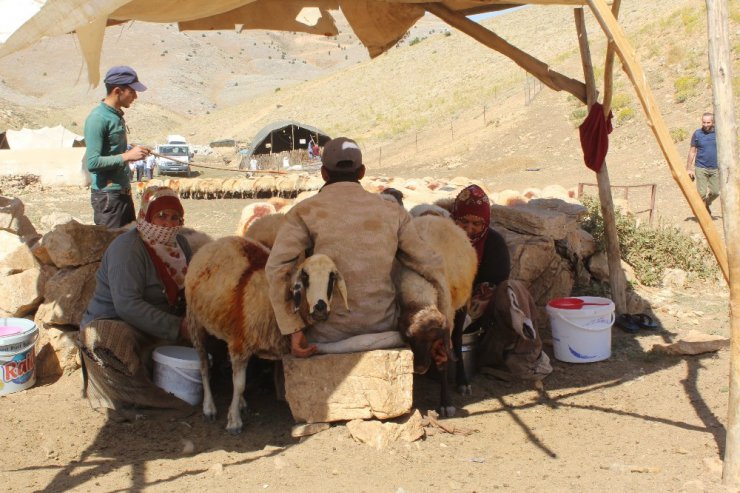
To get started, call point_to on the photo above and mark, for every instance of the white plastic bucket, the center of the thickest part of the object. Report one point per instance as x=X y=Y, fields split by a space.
x=177 y=371
x=17 y=354
x=582 y=335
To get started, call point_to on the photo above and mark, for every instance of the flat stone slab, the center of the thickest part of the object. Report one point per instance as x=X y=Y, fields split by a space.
x=343 y=387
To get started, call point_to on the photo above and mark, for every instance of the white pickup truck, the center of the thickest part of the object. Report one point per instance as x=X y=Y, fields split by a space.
x=178 y=148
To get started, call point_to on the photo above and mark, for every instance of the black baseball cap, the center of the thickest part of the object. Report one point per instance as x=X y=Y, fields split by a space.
x=123 y=75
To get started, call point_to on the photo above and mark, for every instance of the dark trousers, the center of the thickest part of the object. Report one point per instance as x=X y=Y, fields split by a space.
x=112 y=209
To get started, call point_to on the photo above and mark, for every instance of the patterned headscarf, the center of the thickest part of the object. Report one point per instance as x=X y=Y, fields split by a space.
x=473 y=201
x=160 y=241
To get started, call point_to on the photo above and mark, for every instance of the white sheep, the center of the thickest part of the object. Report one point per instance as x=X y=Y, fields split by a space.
x=227 y=296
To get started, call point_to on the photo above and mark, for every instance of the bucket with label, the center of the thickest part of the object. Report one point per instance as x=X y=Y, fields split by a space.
x=17 y=354
x=581 y=328
x=177 y=371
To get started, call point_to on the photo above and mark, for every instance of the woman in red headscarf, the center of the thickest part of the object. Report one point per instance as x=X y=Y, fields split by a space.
x=472 y=212
x=137 y=305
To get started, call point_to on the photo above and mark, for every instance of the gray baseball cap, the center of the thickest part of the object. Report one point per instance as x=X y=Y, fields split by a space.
x=341 y=154
x=123 y=75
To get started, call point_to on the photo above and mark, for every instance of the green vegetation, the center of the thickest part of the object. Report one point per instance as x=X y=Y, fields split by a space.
x=678 y=134
x=625 y=115
x=577 y=115
x=650 y=251
x=685 y=87
x=415 y=41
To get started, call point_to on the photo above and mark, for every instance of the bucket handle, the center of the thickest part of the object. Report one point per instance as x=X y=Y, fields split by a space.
x=23 y=349
x=611 y=321
x=185 y=375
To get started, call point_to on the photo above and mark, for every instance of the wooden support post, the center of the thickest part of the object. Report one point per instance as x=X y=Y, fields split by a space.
x=632 y=68
x=720 y=68
x=552 y=79
x=617 y=279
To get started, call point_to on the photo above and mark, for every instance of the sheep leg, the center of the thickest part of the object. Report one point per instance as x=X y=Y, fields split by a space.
x=239 y=377
x=461 y=378
x=446 y=409
x=198 y=336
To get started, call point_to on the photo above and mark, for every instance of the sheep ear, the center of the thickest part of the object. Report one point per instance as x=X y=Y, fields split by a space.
x=342 y=287
x=297 y=291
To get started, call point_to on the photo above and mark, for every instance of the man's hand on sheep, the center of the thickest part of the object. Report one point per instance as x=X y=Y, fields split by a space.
x=299 y=346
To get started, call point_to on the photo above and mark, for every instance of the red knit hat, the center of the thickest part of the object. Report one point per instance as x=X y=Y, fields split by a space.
x=156 y=199
x=472 y=201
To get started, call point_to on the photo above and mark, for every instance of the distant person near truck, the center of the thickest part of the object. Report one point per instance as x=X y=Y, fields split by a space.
x=106 y=155
x=702 y=161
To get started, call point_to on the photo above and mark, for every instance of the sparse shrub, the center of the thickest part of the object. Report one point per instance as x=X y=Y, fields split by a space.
x=685 y=87
x=448 y=34
x=625 y=115
x=678 y=134
x=691 y=18
x=620 y=100
x=415 y=41
x=676 y=54
x=577 y=115
x=277 y=89
x=650 y=251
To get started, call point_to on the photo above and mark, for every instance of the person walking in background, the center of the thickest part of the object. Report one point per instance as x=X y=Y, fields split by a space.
x=149 y=164
x=107 y=155
x=139 y=167
x=702 y=161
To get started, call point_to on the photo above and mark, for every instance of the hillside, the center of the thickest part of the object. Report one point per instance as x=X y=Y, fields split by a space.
x=439 y=104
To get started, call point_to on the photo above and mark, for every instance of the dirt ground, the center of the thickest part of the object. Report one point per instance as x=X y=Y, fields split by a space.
x=635 y=422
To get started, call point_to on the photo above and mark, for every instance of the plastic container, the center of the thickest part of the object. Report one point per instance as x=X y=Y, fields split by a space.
x=17 y=354
x=177 y=371
x=582 y=335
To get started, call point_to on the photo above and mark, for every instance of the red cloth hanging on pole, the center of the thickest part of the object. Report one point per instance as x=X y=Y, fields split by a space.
x=594 y=132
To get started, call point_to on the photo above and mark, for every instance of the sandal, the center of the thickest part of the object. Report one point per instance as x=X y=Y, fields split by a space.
x=628 y=323
x=645 y=321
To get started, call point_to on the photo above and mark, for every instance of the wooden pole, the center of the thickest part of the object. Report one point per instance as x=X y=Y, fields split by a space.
x=617 y=280
x=720 y=68
x=552 y=79
x=632 y=68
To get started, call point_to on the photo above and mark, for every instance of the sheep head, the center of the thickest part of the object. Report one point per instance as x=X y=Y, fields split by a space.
x=428 y=334
x=316 y=279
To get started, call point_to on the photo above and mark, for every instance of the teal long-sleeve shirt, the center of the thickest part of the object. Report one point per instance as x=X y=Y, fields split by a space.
x=105 y=139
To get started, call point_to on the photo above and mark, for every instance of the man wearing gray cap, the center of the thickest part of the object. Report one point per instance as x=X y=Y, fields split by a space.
x=363 y=234
x=107 y=154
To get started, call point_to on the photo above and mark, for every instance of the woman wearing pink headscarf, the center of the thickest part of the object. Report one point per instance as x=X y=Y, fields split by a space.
x=137 y=305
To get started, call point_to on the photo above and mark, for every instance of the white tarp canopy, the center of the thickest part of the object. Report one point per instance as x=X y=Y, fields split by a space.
x=41 y=138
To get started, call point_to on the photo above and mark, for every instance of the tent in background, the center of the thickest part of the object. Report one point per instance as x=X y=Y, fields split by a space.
x=286 y=135
x=42 y=138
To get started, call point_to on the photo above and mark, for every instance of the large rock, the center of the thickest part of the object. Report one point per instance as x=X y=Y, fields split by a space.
x=533 y=220
x=56 y=352
x=579 y=243
x=342 y=387
x=67 y=295
x=573 y=210
x=599 y=267
x=535 y=261
x=21 y=293
x=18 y=260
x=8 y=243
x=73 y=244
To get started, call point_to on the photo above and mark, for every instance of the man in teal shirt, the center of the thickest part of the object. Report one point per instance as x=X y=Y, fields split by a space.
x=107 y=154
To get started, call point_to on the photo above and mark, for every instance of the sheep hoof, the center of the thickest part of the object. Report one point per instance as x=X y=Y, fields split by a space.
x=466 y=389
x=447 y=411
x=234 y=429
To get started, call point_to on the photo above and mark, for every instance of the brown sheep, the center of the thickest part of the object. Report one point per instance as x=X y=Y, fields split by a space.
x=227 y=296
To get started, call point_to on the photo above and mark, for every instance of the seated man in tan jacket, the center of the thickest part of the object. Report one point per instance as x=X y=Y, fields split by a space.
x=364 y=235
